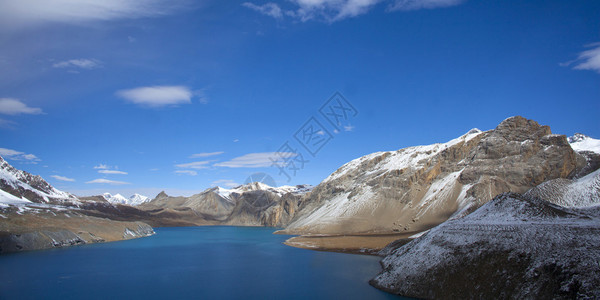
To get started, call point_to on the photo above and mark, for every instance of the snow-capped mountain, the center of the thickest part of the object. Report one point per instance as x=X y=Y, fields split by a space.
x=21 y=187
x=415 y=188
x=137 y=199
x=581 y=142
x=259 y=186
x=133 y=200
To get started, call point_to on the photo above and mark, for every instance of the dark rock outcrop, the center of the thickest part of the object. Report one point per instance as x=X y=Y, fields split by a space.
x=513 y=247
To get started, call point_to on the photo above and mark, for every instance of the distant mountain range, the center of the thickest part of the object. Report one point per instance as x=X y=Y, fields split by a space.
x=133 y=200
x=253 y=204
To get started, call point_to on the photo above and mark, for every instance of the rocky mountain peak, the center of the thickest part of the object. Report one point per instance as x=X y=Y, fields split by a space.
x=161 y=195
x=414 y=188
x=519 y=129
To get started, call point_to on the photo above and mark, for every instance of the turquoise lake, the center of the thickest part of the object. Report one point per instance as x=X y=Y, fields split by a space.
x=190 y=263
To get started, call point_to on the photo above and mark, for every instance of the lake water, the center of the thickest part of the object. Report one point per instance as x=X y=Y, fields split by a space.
x=190 y=263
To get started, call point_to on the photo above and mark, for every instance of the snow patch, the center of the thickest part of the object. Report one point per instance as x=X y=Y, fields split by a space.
x=582 y=142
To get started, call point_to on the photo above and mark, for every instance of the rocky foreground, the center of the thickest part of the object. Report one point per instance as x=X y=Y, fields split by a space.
x=512 y=247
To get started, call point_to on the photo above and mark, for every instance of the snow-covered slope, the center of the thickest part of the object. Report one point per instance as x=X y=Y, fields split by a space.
x=513 y=247
x=133 y=200
x=581 y=142
x=28 y=187
x=137 y=199
x=582 y=192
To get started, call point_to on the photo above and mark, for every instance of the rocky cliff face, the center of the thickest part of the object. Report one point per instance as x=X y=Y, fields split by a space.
x=254 y=204
x=514 y=247
x=416 y=188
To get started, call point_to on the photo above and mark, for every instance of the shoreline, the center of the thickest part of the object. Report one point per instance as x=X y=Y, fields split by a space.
x=365 y=244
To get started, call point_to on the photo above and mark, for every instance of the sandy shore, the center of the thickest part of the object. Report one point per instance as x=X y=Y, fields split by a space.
x=357 y=244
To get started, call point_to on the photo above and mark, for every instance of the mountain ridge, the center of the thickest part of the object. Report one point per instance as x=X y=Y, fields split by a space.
x=416 y=188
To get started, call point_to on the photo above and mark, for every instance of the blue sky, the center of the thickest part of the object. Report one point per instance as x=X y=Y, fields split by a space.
x=150 y=95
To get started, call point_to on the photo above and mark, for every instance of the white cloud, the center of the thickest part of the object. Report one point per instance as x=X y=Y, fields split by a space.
x=82 y=63
x=11 y=106
x=106 y=181
x=25 y=12
x=187 y=172
x=18 y=155
x=256 y=160
x=206 y=154
x=112 y=172
x=194 y=165
x=423 y=4
x=225 y=182
x=331 y=10
x=157 y=96
x=269 y=9
x=348 y=128
x=62 y=178
x=588 y=59
x=335 y=10
x=102 y=167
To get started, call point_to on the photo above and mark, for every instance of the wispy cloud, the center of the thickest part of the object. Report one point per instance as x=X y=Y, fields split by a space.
x=206 y=154
x=18 y=155
x=32 y=12
x=102 y=167
x=225 y=182
x=7 y=124
x=157 y=96
x=269 y=9
x=186 y=172
x=423 y=4
x=12 y=106
x=256 y=160
x=62 y=178
x=335 y=10
x=107 y=181
x=348 y=128
x=112 y=172
x=195 y=165
x=587 y=60
x=81 y=63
